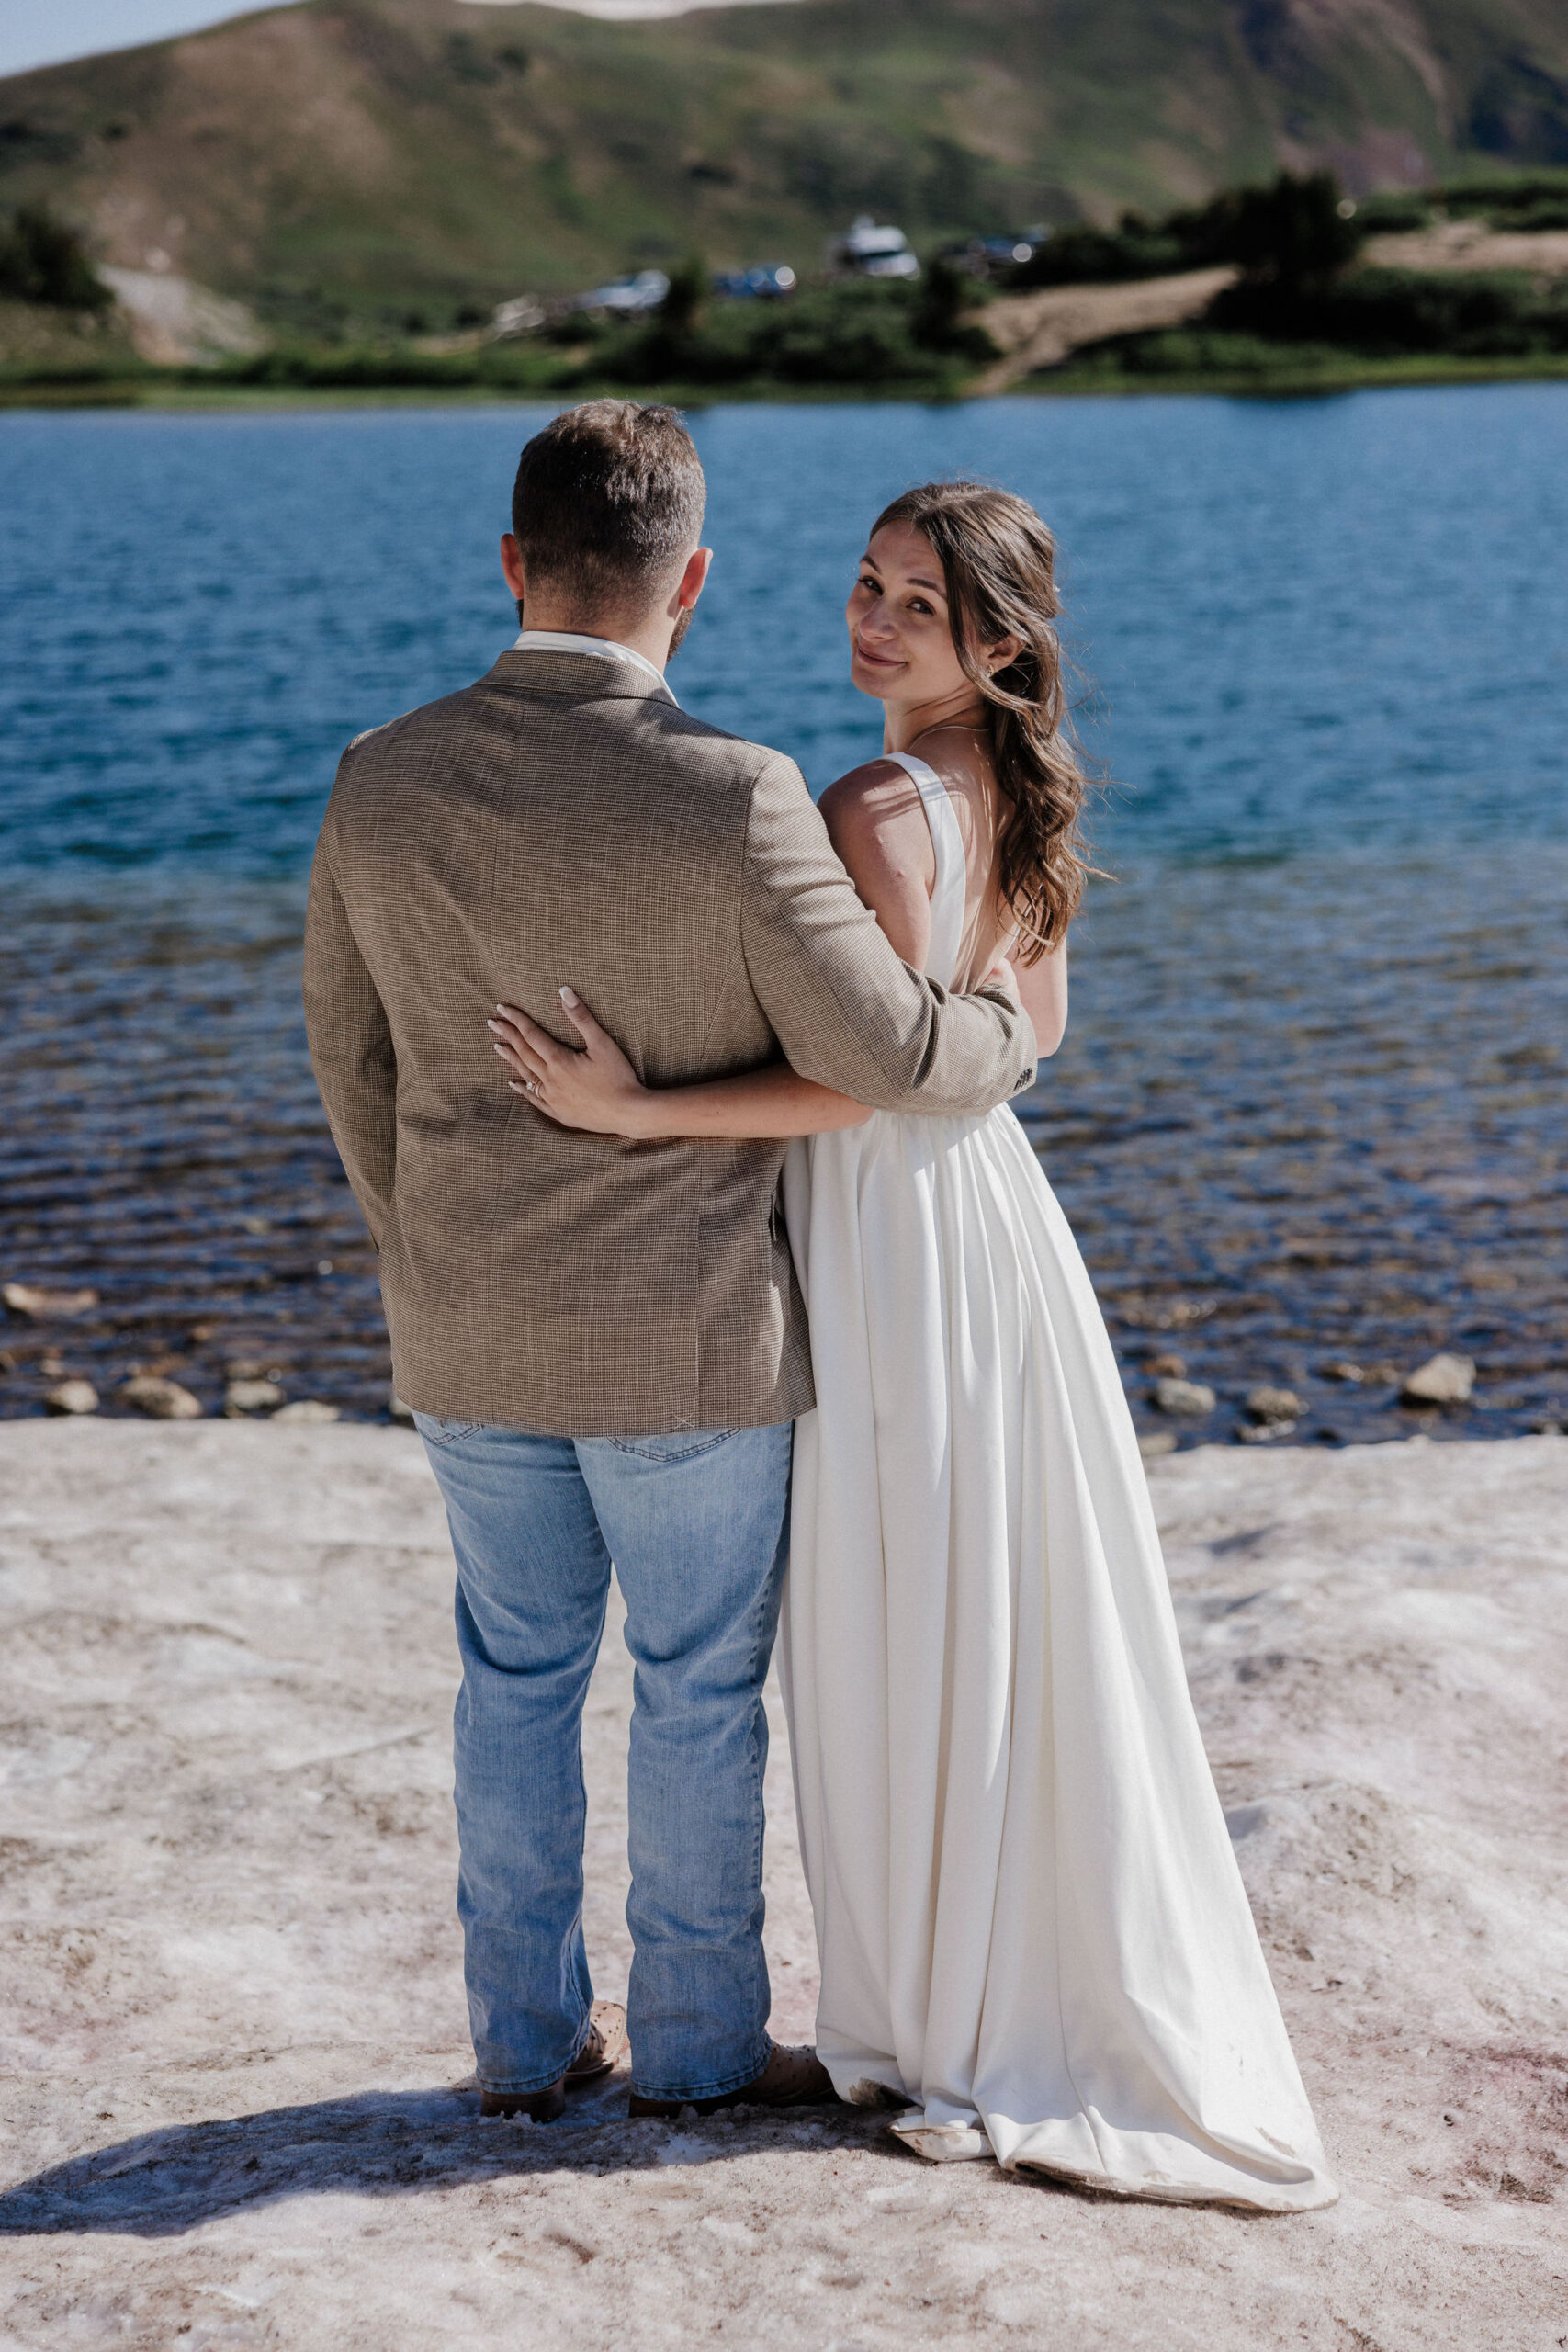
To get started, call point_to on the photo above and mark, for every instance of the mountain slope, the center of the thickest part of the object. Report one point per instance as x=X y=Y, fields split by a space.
x=415 y=154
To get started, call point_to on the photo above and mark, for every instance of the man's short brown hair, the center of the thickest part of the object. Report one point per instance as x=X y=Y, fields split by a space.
x=608 y=498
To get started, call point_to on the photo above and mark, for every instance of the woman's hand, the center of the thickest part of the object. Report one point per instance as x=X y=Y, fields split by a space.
x=596 y=1089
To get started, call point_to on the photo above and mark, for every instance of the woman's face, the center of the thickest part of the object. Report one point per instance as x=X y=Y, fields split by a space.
x=900 y=638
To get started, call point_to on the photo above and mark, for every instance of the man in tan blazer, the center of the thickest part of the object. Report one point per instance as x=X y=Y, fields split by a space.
x=603 y=1340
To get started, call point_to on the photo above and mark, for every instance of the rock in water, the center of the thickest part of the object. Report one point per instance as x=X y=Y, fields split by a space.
x=311 y=1410
x=72 y=1396
x=161 y=1400
x=252 y=1397
x=1152 y=1443
x=1442 y=1380
x=1165 y=1366
x=1267 y=1404
x=1259 y=1432
x=47 y=1305
x=1189 y=1398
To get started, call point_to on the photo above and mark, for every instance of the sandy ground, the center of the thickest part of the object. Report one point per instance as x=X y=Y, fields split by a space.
x=231 y=2013
x=1471 y=245
x=1039 y=330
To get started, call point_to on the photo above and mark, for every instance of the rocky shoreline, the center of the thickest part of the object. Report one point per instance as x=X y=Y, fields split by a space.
x=234 y=2051
x=1433 y=1394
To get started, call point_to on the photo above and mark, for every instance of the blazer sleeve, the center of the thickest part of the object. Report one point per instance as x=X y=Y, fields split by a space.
x=351 y=1047
x=846 y=1009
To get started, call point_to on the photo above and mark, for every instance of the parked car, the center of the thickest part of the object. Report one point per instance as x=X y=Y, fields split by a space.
x=768 y=281
x=641 y=289
x=994 y=256
x=866 y=250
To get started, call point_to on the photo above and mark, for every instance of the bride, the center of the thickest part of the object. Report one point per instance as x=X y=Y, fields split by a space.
x=1032 y=1932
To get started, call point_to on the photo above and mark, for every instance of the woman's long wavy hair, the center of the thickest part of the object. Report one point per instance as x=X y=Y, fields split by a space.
x=998 y=561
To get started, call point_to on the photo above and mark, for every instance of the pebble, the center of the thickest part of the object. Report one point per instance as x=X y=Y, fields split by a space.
x=1442 y=1380
x=252 y=1397
x=1189 y=1398
x=72 y=1396
x=309 y=1410
x=161 y=1400
x=1165 y=1366
x=1152 y=1443
x=1261 y=1433
x=44 y=1305
x=1266 y=1404
x=1340 y=1369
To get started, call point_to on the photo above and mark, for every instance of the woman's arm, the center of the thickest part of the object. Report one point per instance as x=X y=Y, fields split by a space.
x=598 y=1091
x=1043 y=990
x=879 y=827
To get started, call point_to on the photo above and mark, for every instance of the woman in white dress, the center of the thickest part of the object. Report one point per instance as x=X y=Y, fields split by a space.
x=1034 y=1934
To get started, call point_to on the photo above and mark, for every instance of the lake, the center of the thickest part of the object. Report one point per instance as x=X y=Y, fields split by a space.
x=1311 y=1109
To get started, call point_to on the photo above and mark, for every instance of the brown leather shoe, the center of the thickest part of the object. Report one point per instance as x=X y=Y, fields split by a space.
x=540 y=2107
x=605 y=2046
x=790 y=2078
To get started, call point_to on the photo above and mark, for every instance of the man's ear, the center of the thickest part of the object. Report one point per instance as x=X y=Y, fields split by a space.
x=511 y=565
x=693 y=579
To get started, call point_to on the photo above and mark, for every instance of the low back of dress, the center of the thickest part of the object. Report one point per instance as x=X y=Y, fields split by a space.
x=951 y=893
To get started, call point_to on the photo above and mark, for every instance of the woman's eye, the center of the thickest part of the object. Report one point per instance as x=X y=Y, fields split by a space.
x=869 y=585
x=919 y=605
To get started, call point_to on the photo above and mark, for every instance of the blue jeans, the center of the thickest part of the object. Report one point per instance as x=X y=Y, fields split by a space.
x=697 y=1526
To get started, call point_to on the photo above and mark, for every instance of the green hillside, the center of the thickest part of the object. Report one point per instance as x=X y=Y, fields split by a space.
x=354 y=159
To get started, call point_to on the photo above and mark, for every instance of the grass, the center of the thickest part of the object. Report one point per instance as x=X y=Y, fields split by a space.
x=1292 y=374
x=1296 y=374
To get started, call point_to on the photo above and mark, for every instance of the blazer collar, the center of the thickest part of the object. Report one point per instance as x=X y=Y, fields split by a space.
x=554 y=662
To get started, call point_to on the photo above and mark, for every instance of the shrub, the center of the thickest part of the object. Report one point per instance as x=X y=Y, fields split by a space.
x=1394 y=210
x=43 y=259
x=1387 y=312
x=1507 y=198
x=1082 y=256
x=937 y=323
x=846 y=333
x=1293 y=232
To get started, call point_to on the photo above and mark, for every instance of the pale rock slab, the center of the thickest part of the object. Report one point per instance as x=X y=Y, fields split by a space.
x=230 y=2006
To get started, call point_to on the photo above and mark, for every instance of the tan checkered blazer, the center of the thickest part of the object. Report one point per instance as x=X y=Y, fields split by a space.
x=562 y=820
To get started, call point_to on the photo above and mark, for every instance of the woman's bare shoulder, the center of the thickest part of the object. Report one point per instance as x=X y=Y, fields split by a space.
x=874 y=818
x=880 y=785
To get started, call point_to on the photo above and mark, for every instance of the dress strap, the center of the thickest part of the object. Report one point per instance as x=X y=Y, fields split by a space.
x=950 y=894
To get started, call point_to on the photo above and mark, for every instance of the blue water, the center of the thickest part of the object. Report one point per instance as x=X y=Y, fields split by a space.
x=1310 y=1104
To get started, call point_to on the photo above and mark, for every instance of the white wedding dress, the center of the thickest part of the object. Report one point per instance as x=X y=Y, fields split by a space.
x=1030 y=1920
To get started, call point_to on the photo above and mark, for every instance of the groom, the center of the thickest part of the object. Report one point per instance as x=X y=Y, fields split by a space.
x=602 y=1341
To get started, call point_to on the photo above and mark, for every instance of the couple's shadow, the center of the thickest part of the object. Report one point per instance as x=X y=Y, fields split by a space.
x=383 y=2143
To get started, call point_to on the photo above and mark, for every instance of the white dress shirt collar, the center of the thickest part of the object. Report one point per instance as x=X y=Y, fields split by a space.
x=560 y=640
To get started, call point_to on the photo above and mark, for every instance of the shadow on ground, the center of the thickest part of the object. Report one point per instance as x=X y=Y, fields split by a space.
x=379 y=2143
